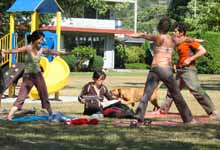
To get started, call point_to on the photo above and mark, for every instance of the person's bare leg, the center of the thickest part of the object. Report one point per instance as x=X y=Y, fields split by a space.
x=11 y=112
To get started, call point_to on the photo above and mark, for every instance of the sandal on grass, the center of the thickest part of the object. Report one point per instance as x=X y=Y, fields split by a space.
x=137 y=123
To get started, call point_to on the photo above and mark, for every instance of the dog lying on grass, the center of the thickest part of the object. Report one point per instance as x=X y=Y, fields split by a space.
x=133 y=95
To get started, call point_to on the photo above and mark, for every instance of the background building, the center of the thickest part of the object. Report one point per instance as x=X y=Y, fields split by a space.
x=93 y=30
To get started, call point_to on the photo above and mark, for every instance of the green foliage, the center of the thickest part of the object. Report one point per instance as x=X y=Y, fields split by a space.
x=45 y=19
x=120 y=55
x=77 y=6
x=148 y=17
x=71 y=61
x=96 y=63
x=148 y=56
x=207 y=18
x=149 y=12
x=207 y=65
x=136 y=66
x=129 y=54
x=177 y=9
x=83 y=54
x=212 y=58
x=135 y=54
x=4 y=16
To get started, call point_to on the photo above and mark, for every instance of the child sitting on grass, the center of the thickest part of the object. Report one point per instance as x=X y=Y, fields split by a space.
x=95 y=95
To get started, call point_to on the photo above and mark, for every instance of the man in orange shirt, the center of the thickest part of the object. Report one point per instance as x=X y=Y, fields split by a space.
x=186 y=74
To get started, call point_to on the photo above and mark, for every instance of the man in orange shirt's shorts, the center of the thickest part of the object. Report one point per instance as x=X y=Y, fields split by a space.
x=186 y=72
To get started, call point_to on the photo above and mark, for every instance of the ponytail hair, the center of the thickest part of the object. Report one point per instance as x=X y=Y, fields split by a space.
x=34 y=36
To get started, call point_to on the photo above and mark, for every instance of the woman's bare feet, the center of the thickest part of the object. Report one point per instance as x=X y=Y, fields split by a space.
x=214 y=114
x=11 y=112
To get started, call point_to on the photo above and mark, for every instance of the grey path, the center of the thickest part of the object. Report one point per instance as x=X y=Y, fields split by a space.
x=61 y=99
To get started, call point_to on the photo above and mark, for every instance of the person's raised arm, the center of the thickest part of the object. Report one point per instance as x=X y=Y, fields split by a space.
x=16 y=50
x=146 y=36
x=186 y=39
x=54 y=52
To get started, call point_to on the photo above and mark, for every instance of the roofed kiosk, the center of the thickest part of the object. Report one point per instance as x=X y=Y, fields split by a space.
x=37 y=7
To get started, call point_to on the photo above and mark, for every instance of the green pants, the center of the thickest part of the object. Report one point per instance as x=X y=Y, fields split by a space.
x=187 y=77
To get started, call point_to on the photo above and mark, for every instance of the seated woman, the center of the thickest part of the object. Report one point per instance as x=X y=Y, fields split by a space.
x=95 y=95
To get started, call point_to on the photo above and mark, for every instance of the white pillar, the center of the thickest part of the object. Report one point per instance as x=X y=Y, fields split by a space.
x=135 y=15
x=109 y=52
x=195 y=5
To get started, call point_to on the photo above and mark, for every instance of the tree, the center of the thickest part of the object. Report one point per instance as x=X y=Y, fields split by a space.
x=148 y=17
x=75 y=8
x=83 y=54
x=4 y=17
x=177 y=9
x=207 y=18
x=149 y=12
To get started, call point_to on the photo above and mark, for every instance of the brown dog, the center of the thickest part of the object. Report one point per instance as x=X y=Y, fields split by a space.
x=133 y=95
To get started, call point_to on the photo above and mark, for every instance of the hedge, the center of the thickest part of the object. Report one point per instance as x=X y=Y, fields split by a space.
x=136 y=66
x=96 y=63
x=210 y=63
x=71 y=61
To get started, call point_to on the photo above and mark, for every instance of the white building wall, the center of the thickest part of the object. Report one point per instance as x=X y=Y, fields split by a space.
x=86 y=23
x=109 y=53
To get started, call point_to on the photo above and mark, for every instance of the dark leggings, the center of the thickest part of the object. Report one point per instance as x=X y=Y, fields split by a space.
x=2 y=82
x=157 y=74
x=30 y=80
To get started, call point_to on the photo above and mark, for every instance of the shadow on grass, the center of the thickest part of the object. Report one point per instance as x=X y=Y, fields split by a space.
x=206 y=86
x=53 y=136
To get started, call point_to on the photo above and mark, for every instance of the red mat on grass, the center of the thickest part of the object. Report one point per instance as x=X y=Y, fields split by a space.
x=174 y=115
x=177 y=123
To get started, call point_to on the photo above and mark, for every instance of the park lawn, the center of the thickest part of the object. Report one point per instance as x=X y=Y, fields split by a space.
x=105 y=135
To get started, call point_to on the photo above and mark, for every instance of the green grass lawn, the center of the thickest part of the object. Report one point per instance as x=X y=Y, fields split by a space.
x=105 y=135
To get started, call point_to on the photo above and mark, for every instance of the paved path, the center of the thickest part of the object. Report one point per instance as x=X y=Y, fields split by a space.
x=61 y=99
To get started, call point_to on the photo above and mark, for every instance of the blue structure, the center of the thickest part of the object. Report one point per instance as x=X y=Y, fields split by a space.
x=41 y=6
x=50 y=42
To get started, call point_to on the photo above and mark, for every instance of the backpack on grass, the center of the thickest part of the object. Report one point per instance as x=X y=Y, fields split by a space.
x=118 y=111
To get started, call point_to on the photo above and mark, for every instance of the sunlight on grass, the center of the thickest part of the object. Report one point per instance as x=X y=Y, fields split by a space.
x=106 y=135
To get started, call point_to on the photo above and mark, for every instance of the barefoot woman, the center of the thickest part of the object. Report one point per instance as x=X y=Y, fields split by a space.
x=32 y=72
x=161 y=70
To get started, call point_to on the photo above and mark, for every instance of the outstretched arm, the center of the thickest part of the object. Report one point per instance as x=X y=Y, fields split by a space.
x=54 y=52
x=16 y=50
x=144 y=35
x=186 y=39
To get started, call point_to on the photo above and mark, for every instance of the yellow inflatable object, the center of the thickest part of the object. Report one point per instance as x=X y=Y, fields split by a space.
x=56 y=75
